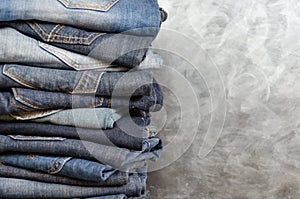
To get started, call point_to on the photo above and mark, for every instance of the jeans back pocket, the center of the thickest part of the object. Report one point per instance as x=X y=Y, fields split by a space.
x=97 y=5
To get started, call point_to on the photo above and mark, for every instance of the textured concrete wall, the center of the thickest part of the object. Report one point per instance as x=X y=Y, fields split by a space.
x=238 y=62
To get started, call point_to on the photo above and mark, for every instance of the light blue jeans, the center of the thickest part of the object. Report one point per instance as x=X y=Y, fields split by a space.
x=99 y=15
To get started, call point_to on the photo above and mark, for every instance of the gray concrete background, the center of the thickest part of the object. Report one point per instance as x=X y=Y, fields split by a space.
x=247 y=51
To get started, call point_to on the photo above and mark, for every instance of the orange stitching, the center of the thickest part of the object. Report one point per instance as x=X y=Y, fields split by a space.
x=46 y=36
x=6 y=72
x=104 y=7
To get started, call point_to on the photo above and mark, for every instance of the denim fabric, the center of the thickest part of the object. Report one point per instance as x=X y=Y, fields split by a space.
x=123 y=134
x=116 y=179
x=19 y=101
x=103 y=16
x=121 y=196
x=18 y=48
x=19 y=188
x=66 y=166
x=98 y=118
x=136 y=83
x=119 y=158
x=115 y=49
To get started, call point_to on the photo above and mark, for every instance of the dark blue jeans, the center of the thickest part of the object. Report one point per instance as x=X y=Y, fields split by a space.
x=65 y=166
x=116 y=179
x=18 y=101
x=97 y=82
x=20 y=188
x=119 y=158
x=124 y=135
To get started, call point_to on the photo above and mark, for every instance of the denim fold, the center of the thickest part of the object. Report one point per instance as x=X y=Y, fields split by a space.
x=115 y=49
x=18 y=101
x=104 y=16
x=118 y=158
x=135 y=83
x=20 y=188
x=128 y=132
x=116 y=179
x=99 y=118
x=65 y=166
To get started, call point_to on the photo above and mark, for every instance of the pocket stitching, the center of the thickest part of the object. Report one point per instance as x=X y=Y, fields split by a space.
x=25 y=101
x=105 y=7
x=16 y=106
x=17 y=79
x=92 y=90
x=51 y=38
x=72 y=63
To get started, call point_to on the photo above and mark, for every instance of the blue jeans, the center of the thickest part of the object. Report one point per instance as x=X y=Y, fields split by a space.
x=119 y=158
x=116 y=179
x=17 y=101
x=136 y=83
x=18 y=48
x=66 y=166
x=19 y=188
x=124 y=135
x=146 y=195
x=103 y=16
x=114 y=49
x=99 y=118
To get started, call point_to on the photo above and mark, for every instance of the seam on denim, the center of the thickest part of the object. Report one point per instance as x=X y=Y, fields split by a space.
x=104 y=7
x=16 y=106
x=55 y=33
x=88 y=40
x=69 y=61
x=17 y=78
x=85 y=90
x=24 y=100
x=35 y=138
x=59 y=163
x=34 y=115
x=50 y=34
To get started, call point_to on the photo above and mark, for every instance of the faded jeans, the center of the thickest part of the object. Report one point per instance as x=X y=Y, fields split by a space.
x=114 y=49
x=102 y=16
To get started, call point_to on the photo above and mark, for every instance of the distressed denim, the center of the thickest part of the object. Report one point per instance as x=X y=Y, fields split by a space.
x=123 y=134
x=102 y=16
x=66 y=166
x=116 y=179
x=20 y=188
x=115 y=49
x=18 y=101
x=136 y=83
x=119 y=158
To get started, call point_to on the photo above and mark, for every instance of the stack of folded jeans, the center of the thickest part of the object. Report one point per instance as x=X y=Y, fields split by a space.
x=76 y=93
